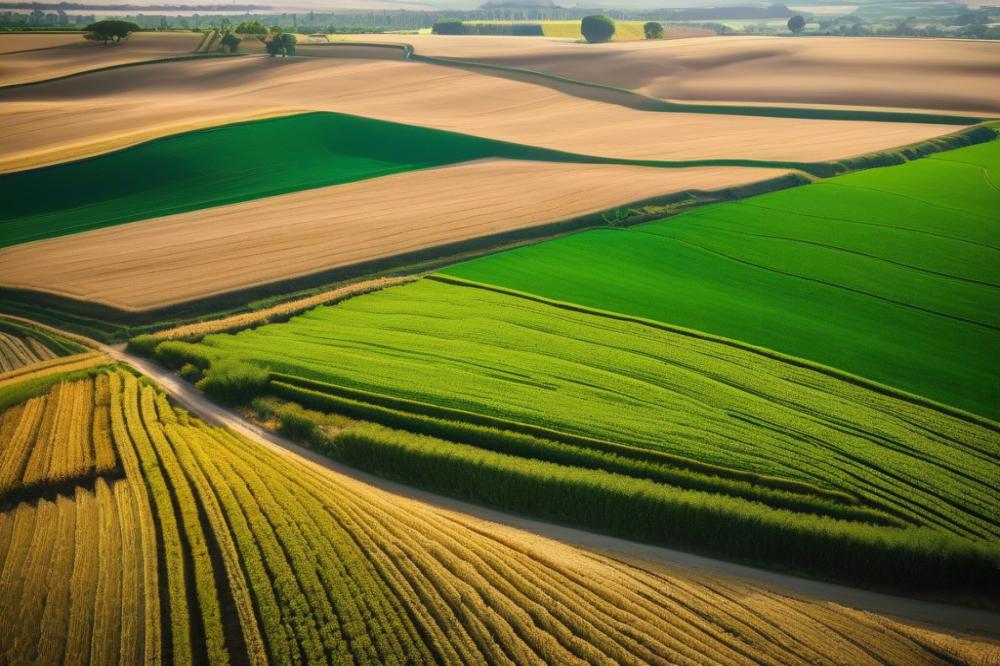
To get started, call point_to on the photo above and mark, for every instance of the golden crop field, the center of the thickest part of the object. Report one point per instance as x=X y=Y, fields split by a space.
x=314 y=566
x=62 y=364
x=57 y=437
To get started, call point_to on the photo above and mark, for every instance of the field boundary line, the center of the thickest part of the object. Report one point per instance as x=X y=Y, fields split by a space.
x=856 y=380
x=138 y=63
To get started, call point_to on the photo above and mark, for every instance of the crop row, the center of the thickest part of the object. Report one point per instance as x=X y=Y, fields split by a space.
x=606 y=456
x=16 y=352
x=68 y=570
x=55 y=438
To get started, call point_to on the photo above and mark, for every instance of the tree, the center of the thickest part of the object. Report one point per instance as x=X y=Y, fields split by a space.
x=230 y=42
x=110 y=31
x=796 y=24
x=653 y=30
x=448 y=27
x=280 y=43
x=597 y=28
x=252 y=29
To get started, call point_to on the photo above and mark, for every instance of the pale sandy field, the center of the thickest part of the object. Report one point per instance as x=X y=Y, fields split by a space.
x=174 y=259
x=26 y=41
x=78 y=55
x=927 y=74
x=105 y=110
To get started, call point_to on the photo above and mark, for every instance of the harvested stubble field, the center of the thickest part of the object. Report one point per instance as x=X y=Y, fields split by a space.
x=906 y=256
x=170 y=260
x=28 y=58
x=317 y=567
x=111 y=107
x=624 y=381
x=934 y=75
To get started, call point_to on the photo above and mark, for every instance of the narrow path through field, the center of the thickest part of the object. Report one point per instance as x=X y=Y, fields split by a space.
x=934 y=615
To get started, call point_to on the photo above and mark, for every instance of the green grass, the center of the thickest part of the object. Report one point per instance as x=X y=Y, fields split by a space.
x=634 y=383
x=892 y=274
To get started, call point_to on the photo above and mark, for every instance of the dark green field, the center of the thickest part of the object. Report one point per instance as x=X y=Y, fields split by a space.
x=892 y=274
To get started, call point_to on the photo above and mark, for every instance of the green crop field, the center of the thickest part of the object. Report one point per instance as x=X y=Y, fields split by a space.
x=579 y=372
x=892 y=274
x=228 y=164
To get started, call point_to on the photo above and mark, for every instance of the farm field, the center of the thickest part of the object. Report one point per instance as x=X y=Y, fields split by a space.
x=12 y=43
x=108 y=108
x=398 y=590
x=934 y=75
x=905 y=255
x=170 y=260
x=582 y=373
x=28 y=58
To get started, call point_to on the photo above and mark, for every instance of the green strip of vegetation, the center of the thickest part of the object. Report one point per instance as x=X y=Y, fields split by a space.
x=609 y=457
x=913 y=558
x=891 y=274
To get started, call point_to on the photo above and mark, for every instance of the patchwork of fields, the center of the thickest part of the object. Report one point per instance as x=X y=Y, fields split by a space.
x=172 y=260
x=804 y=381
x=906 y=256
x=228 y=164
x=309 y=565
